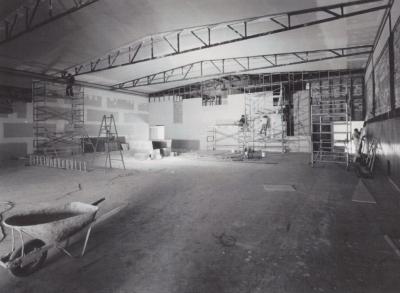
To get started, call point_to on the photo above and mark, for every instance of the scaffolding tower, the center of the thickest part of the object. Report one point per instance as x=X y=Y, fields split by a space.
x=330 y=131
x=225 y=135
x=266 y=126
x=58 y=120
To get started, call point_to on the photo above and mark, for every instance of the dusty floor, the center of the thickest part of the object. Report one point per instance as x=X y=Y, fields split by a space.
x=201 y=226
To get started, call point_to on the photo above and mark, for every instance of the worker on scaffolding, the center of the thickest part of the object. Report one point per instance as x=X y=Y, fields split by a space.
x=70 y=85
x=243 y=121
x=266 y=125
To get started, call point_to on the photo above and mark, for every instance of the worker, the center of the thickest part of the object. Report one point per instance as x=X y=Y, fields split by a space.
x=242 y=121
x=265 y=125
x=363 y=140
x=356 y=142
x=70 y=83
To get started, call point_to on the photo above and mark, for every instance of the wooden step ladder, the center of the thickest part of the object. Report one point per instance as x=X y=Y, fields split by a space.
x=108 y=129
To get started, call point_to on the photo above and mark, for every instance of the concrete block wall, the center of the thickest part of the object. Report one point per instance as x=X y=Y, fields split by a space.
x=196 y=120
x=130 y=112
x=301 y=141
x=16 y=131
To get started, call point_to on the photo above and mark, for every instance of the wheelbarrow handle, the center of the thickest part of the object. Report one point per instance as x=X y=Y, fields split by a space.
x=98 y=201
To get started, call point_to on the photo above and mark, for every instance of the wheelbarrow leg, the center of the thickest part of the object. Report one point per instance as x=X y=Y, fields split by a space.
x=22 y=243
x=63 y=249
x=12 y=240
x=86 y=240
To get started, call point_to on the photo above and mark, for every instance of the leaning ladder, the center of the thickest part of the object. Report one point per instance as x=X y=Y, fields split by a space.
x=109 y=129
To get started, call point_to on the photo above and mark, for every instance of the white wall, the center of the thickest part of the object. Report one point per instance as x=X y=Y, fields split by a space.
x=130 y=112
x=16 y=132
x=196 y=118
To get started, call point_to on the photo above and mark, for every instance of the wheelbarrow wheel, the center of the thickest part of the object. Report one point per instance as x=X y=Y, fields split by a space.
x=27 y=269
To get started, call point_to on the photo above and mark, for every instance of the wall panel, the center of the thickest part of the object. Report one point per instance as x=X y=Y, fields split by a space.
x=388 y=153
x=382 y=83
x=369 y=98
x=396 y=44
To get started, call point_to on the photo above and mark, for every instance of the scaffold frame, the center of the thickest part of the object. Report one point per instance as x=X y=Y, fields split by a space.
x=330 y=131
x=51 y=107
x=255 y=110
x=248 y=136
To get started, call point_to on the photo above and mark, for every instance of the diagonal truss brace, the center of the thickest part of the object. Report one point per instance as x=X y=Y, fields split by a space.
x=219 y=67
x=191 y=39
x=35 y=14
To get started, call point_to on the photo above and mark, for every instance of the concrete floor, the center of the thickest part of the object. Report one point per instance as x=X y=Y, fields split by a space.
x=202 y=226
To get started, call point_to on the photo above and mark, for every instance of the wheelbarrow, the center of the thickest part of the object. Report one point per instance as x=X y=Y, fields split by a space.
x=40 y=230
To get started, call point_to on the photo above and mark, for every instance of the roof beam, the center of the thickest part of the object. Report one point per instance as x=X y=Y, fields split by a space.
x=258 y=80
x=200 y=39
x=37 y=15
x=51 y=78
x=269 y=61
x=206 y=68
x=215 y=33
x=279 y=23
x=235 y=30
x=169 y=43
x=333 y=13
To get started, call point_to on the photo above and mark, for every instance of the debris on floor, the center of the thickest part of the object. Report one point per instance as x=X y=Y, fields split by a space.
x=392 y=244
x=278 y=187
x=226 y=240
x=361 y=194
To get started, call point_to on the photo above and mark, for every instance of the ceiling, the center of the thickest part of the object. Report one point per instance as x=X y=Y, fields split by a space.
x=108 y=24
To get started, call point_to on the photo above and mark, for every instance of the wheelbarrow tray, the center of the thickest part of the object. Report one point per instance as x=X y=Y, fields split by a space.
x=53 y=224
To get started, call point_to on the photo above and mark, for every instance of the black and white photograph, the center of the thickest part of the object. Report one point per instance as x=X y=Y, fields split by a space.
x=199 y=146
